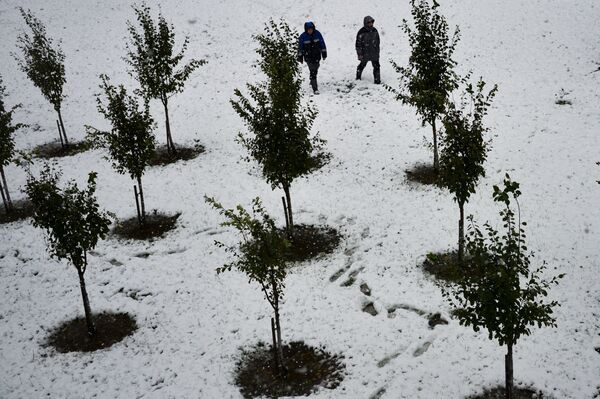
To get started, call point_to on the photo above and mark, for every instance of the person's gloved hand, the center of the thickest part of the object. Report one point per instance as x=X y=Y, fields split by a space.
x=324 y=55
x=300 y=59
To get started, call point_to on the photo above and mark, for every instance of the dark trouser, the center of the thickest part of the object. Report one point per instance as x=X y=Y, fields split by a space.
x=376 y=68
x=313 y=67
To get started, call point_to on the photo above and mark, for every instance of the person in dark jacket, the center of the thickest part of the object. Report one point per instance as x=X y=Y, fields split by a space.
x=311 y=48
x=367 y=49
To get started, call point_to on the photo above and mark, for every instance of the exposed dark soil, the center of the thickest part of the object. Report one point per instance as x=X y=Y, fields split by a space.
x=163 y=157
x=423 y=174
x=308 y=242
x=155 y=226
x=72 y=336
x=56 y=150
x=22 y=209
x=443 y=266
x=308 y=369
x=518 y=393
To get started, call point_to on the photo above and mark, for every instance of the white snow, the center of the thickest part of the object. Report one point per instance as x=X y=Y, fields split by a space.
x=193 y=322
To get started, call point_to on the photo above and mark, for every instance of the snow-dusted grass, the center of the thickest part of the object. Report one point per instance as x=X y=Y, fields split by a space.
x=193 y=322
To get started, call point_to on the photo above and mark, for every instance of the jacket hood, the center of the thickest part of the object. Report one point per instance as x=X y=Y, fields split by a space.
x=367 y=19
x=308 y=25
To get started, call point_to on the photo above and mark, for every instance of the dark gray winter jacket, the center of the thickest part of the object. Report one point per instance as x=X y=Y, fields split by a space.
x=367 y=41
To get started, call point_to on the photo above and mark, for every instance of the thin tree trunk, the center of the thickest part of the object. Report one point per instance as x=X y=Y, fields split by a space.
x=277 y=323
x=4 y=198
x=436 y=159
x=142 y=204
x=86 y=305
x=8 y=200
x=288 y=199
x=279 y=343
x=285 y=211
x=60 y=136
x=137 y=204
x=508 y=366
x=275 y=350
x=62 y=126
x=170 y=144
x=461 y=232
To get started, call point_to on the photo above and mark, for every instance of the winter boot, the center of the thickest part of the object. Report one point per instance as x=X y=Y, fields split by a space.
x=313 y=84
x=358 y=74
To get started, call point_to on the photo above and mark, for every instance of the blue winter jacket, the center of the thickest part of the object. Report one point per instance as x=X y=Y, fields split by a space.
x=311 y=47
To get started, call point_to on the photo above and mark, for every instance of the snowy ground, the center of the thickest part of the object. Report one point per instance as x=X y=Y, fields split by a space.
x=193 y=322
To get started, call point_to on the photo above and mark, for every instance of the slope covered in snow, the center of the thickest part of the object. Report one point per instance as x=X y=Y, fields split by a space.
x=193 y=322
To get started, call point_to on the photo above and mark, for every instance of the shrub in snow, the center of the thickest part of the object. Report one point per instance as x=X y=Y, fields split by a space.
x=429 y=78
x=501 y=293
x=155 y=63
x=260 y=255
x=7 y=144
x=464 y=149
x=130 y=142
x=279 y=123
x=73 y=222
x=44 y=65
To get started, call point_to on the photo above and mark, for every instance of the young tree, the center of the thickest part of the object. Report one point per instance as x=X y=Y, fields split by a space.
x=44 y=64
x=260 y=255
x=130 y=142
x=73 y=222
x=273 y=112
x=429 y=78
x=464 y=149
x=154 y=63
x=7 y=144
x=501 y=293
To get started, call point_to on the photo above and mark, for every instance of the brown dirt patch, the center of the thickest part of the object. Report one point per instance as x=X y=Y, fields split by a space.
x=72 y=336
x=56 y=150
x=22 y=209
x=308 y=369
x=423 y=174
x=518 y=393
x=163 y=157
x=308 y=242
x=155 y=226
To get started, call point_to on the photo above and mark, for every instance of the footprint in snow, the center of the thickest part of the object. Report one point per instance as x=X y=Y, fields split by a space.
x=422 y=349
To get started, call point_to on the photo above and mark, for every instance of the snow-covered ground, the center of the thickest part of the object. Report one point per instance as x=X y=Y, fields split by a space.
x=193 y=322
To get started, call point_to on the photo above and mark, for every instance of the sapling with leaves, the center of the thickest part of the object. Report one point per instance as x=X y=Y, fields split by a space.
x=278 y=121
x=261 y=256
x=155 y=63
x=44 y=64
x=501 y=293
x=73 y=222
x=464 y=149
x=7 y=144
x=130 y=142
x=429 y=78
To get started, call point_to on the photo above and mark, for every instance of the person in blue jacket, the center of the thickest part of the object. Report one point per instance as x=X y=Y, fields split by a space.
x=311 y=48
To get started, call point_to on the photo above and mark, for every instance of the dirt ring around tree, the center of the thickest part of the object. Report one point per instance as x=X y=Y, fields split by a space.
x=163 y=157
x=156 y=225
x=55 y=150
x=518 y=393
x=72 y=335
x=22 y=209
x=310 y=241
x=308 y=369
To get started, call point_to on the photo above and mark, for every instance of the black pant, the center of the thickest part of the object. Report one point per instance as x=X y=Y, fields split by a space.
x=376 y=68
x=313 y=67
